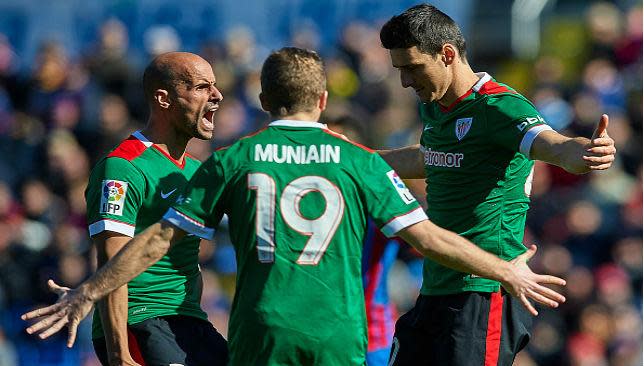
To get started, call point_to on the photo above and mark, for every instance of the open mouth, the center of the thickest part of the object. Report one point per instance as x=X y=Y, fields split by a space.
x=208 y=119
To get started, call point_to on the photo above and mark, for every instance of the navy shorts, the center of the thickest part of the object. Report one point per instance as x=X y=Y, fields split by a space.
x=467 y=329
x=166 y=340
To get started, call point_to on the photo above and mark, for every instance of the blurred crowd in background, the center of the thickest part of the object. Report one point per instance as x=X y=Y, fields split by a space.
x=62 y=110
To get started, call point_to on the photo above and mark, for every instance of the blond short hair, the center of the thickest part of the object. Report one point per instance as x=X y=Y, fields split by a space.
x=292 y=81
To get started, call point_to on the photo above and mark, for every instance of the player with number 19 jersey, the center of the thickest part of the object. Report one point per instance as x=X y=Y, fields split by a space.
x=298 y=197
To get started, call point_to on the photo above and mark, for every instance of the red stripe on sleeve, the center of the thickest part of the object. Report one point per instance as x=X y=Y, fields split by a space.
x=494 y=326
x=129 y=149
x=344 y=138
x=492 y=87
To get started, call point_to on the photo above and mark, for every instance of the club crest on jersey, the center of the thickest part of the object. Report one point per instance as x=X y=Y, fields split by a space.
x=463 y=127
x=400 y=186
x=113 y=197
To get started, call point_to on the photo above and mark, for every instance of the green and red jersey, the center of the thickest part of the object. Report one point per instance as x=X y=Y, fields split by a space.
x=297 y=197
x=128 y=191
x=479 y=175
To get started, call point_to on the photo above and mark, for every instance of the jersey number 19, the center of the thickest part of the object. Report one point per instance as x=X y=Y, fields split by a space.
x=319 y=230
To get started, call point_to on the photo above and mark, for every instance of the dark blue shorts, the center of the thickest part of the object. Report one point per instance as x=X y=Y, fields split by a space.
x=181 y=340
x=467 y=329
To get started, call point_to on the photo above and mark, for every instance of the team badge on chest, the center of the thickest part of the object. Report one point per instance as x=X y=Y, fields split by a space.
x=463 y=127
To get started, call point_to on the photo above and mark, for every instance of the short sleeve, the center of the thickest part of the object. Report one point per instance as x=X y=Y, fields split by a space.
x=199 y=208
x=514 y=123
x=388 y=200
x=114 y=196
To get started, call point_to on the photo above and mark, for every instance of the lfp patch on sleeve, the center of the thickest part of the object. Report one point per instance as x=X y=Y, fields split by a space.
x=113 y=197
x=401 y=188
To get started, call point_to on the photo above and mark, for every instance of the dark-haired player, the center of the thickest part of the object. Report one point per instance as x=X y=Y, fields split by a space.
x=476 y=150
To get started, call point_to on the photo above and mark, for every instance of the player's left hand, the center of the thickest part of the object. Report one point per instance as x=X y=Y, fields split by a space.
x=72 y=307
x=529 y=285
x=600 y=152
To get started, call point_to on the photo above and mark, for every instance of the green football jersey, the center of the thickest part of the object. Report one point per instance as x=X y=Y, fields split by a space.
x=128 y=191
x=297 y=197
x=479 y=175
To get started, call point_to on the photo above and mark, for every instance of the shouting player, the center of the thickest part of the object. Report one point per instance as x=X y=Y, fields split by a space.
x=129 y=190
x=298 y=197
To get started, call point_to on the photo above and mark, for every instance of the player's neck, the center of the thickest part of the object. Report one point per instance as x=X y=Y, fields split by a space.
x=464 y=80
x=300 y=116
x=166 y=138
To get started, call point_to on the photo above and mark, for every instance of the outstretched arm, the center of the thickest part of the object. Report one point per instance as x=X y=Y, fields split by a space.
x=113 y=308
x=140 y=253
x=407 y=161
x=577 y=155
x=454 y=251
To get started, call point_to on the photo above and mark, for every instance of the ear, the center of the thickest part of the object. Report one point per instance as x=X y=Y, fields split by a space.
x=265 y=106
x=161 y=98
x=449 y=53
x=323 y=100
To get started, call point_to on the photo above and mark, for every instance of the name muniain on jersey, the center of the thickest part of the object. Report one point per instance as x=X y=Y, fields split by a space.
x=300 y=154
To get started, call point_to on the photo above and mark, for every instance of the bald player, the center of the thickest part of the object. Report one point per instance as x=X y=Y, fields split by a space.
x=156 y=319
x=297 y=225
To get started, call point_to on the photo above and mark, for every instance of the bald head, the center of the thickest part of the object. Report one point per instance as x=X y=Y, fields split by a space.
x=168 y=70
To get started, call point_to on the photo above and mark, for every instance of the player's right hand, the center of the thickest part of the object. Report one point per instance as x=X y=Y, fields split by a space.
x=526 y=284
x=61 y=291
x=72 y=306
x=121 y=356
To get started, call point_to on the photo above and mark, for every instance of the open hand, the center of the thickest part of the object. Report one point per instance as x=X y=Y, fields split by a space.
x=72 y=307
x=528 y=285
x=61 y=291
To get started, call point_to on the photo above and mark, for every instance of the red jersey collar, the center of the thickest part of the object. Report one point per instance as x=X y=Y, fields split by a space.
x=484 y=77
x=139 y=136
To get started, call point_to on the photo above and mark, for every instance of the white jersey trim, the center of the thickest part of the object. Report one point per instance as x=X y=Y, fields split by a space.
x=111 y=225
x=484 y=77
x=142 y=138
x=292 y=123
x=400 y=222
x=530 y=136
x=188 y=224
